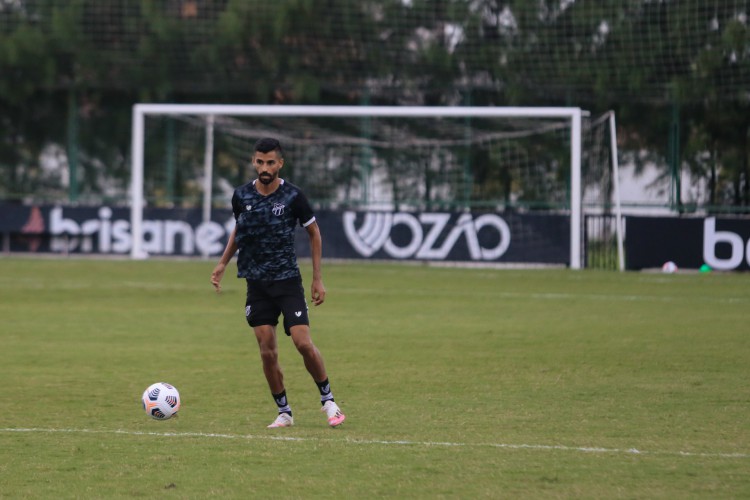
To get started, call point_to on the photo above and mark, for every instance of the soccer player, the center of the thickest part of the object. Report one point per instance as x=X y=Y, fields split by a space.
x=267 y=210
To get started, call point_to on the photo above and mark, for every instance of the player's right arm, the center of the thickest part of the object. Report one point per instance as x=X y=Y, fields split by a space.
x=229 y=252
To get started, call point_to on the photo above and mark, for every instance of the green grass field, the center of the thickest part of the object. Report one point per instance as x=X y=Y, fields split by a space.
x=457 y=383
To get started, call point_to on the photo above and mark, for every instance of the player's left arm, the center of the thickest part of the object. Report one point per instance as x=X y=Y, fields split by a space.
x=318 y=291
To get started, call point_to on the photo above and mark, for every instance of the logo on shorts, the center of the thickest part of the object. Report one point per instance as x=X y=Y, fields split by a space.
x=248 y=208
x=247 y=310
x=298 y=313
x=278 y=209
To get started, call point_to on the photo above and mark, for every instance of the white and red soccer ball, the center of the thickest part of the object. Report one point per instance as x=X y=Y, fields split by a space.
x=669 y=267
x=161 y=401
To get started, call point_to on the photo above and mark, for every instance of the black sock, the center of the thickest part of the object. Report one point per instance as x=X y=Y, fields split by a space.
x=325 y=391
x=282 y=402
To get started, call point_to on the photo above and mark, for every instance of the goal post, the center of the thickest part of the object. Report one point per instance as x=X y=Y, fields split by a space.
x=616 y=187
x=209 y=112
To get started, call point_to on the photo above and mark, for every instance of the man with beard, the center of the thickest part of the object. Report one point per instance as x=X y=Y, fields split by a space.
x=267 y=210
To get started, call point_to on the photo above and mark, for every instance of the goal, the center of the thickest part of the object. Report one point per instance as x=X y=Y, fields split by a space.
x=383 y=158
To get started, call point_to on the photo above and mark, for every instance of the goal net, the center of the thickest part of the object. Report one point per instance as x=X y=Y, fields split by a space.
x=382 y=160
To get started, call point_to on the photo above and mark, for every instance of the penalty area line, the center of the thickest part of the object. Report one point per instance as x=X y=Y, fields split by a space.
x=533 y=447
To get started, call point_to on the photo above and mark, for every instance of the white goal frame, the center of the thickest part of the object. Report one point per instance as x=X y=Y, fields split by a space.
x=140 y=111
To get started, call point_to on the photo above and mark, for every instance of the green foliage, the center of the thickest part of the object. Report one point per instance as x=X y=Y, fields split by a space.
x=625 y=56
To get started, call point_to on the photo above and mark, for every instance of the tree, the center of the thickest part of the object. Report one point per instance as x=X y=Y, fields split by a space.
x=85 y=62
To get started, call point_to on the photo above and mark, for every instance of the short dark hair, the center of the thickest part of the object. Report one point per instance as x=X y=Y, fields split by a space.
x=268 y=144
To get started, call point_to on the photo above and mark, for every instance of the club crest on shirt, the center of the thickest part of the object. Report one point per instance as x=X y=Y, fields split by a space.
x=278 y=209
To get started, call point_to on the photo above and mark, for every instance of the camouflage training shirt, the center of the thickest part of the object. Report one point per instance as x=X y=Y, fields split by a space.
x=265 y=230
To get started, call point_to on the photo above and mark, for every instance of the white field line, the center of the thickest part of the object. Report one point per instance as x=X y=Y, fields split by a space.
x=377 y=442
x=615 y=297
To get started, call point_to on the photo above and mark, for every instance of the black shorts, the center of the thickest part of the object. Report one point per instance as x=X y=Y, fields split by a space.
x=266 y=300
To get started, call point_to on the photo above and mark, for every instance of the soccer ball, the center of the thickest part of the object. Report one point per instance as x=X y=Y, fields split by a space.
x=669 y=267
x=161 y=401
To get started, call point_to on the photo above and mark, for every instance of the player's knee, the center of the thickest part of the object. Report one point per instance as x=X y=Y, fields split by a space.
x=306 y=348
x=269 y=355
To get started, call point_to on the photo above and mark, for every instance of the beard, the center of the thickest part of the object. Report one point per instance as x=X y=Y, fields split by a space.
x=266 y=178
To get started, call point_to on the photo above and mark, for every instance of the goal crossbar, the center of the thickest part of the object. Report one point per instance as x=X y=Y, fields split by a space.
x=140 y=111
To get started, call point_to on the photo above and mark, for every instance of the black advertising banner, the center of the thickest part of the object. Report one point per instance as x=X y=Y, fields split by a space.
x=723 y=244
x=652 y=241
x=105 y=230
x=450 y=236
